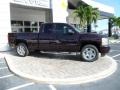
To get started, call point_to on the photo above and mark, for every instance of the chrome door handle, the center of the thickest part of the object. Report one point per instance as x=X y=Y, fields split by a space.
x=55 y=41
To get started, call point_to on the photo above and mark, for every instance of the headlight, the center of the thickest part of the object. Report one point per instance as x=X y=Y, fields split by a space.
x=105 y=41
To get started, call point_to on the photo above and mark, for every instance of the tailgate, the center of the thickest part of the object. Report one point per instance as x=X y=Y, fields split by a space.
x=11 y=39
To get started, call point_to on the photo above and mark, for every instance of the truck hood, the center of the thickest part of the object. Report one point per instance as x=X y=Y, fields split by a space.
x=90 y=36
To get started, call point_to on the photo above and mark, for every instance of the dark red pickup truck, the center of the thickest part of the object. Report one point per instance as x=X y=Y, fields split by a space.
x=60 y=37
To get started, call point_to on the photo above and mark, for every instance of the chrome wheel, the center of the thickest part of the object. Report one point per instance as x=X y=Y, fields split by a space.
x=22 y=49
x=89 y=53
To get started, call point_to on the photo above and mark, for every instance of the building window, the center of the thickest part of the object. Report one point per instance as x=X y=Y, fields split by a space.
x=25 y=26
x=17 y=26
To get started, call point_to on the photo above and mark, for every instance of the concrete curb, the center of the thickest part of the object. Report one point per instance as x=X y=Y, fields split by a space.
x=78 y=80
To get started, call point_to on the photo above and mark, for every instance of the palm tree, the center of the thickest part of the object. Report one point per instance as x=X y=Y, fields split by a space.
x=118 y=22
x=87 y=15
x=115 y=22
x=80 y=13
x=92 y=15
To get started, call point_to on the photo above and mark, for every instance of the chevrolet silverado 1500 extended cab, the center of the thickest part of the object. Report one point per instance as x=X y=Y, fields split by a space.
x=60 y=37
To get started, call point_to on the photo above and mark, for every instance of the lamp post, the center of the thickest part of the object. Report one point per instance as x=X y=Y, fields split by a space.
x=109 y=28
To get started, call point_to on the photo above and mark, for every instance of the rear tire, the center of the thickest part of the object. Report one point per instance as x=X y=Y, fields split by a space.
x=89 y=53
x=22 y=50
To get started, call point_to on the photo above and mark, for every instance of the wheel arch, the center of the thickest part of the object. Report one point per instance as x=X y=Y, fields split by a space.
x=18 y=41
x=97 y=45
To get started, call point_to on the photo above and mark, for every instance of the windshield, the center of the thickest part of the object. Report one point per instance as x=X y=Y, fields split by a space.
x=76 y=29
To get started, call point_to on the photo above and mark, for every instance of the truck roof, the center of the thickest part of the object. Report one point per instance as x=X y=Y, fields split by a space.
x=55 y=23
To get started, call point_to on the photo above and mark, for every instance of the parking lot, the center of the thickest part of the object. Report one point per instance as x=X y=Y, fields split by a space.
x=10 y=81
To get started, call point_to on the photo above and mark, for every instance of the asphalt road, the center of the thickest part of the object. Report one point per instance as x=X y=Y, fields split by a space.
x=10 y=81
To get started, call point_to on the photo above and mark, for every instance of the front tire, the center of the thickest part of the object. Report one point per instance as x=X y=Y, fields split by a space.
x=89 y=53
x=22 y=50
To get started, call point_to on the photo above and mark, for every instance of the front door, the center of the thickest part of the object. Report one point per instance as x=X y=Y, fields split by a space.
x=67 y=37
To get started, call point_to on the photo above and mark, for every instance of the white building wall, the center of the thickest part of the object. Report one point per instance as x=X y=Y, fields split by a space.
x=27 y=14
x=72 y=19
x=33 y=3
x=59 y=8
x=5 y=26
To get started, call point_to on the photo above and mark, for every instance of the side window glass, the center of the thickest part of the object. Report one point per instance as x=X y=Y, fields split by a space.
x=68 y=30
x=48 y=28
x=59 y=29
x=64 y=29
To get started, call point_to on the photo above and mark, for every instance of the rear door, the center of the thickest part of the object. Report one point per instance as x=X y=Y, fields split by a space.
x=47 y=38
x=67 y=37
x=32 y=40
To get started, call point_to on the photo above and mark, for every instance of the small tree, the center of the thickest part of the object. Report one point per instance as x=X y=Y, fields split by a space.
x=118 y=22
x=87 y=15
x=115 y=21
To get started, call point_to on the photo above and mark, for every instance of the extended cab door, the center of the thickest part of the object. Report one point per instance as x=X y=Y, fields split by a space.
x=47 y=38
x=68 y=38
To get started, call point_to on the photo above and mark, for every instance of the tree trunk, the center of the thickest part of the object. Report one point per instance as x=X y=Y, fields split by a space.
x=89 y=28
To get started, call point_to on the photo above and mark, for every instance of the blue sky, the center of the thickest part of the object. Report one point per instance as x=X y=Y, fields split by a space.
x=103 y=24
